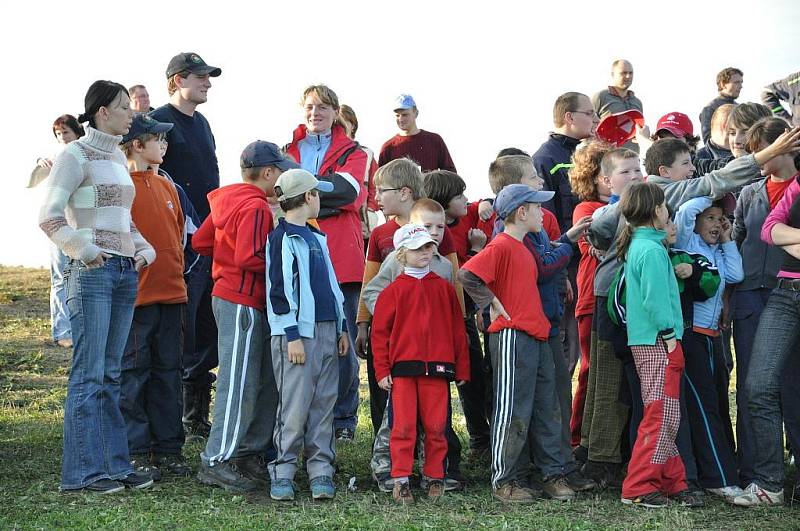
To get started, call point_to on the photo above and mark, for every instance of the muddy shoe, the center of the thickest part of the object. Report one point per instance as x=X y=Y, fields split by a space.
x=513 y=493
x=435 y=489
x=226 y=475
x=402 y=493
x=578 y=482
x=254 y=468
x=142 y=465
x=137 y=481
x=654 y=500
x=557 y=488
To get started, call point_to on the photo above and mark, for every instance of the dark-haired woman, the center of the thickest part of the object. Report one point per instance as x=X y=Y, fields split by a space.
x=86 y=213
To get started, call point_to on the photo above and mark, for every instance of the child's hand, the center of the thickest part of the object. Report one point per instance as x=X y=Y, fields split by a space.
x=477 y=239
x=579 y=229
x=297 y=352
x=683 y=271
x=386 y=383
x=727 y=228
x=596 y=253
x=496 y=310
x=459 y=383
x=485 y=210
x=362 y=338
x=344 y=344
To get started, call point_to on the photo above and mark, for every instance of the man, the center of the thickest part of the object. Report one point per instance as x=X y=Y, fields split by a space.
x=618 y=97
x=191 y=161
x=788 y=90
x=423 y=147
x=574 y=119
x=140 y=99
x=729 y=85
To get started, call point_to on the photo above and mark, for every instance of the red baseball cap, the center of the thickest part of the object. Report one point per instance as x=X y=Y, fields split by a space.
x=676 y=123
x=619 y=127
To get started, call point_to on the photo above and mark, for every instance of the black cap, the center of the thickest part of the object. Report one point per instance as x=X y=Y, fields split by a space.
x=191 y=62
x=143 y=124
x=259 y=154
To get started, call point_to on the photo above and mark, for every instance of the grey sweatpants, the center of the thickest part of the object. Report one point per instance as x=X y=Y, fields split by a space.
x=308 y=394
x=244 y=408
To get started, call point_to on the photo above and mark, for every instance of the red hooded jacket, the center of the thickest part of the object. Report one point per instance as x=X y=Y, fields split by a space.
x=339 y=216
x=235 y=234
x=418 y=330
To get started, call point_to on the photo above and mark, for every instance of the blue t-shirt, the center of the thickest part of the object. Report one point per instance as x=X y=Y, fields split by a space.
x=324 y=301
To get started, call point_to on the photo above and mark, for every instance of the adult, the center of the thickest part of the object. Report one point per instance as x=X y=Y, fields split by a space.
x=140 y=99
x=370 y=209
x=322 y=147
x=423 y=147
x=788 y=90
x=87 y=214
x=729 y=85
x=191 y=161
x=618 y=97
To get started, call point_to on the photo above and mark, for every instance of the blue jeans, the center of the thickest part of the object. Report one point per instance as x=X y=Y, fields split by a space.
x=774 y=349
x=100 y=302
x=59 y=315
x=345 y=412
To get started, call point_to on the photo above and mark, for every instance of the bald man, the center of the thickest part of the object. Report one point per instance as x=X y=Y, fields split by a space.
x=618 y=97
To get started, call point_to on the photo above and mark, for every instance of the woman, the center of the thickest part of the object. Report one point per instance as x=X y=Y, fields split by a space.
x=86 y=213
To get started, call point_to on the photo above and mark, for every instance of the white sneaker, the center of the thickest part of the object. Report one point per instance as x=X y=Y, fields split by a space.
x=754 y=495
x=728 y=493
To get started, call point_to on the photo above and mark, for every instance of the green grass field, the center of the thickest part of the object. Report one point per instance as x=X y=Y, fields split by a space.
x=32 y=392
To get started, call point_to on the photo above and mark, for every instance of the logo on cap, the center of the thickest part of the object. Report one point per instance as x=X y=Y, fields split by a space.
x=195 y=58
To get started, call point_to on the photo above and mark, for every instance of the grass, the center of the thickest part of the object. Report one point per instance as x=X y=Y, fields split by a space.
x=32 y=392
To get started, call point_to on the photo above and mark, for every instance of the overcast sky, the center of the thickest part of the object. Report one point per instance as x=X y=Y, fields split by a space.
x=483 y=77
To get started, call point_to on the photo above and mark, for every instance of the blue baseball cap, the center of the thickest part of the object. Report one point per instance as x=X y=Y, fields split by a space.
x=143 y=124
x=513 y=196
x=404 y=101
x=260 y=153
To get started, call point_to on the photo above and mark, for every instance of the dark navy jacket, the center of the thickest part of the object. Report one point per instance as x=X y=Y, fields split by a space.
x=552 y=161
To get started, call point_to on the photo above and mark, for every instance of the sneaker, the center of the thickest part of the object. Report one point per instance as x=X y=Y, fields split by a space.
x=558 y=488
x=142 y=465
x=401 y=492
x=578 y=482
x=727 y=493
x=226 y=475
x=322 y=488
x=104 y=486
x=345 y=435
x=654 y=500
x=754 y=495
x=254 y=468
x=513 y=493
x=688 y=498
x=435 y=489
x=282 y=490
x=136 y=481
x=450 y=484
x=175 y=464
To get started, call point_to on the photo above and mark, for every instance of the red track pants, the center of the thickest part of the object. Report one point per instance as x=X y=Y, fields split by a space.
x=579 y=400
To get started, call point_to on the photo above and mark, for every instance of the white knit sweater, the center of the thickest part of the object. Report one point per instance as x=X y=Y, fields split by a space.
x=87 y=207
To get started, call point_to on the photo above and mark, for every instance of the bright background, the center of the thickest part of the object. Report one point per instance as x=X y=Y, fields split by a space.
x=483 y=77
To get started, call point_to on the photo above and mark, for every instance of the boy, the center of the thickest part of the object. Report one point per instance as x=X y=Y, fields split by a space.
x=306 y=315
x=522 y=363
x=235 y=234
x=151 y=364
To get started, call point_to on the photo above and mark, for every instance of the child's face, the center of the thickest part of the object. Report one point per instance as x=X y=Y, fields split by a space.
x=533 y=220
x=625 y=172
x=312 y=198
x=391 y=199
x=64 y=134
x=457 y=207
x=736 y=141
x=662 y=217
x=433 y=222
x=681 y=168
x=672 y=232
x=532 y=179
x=151 y=152
x=420 y=257
x=708 y=225
x=779 y=165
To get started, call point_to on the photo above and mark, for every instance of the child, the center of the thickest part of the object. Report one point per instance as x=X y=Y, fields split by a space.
x=522 y=363
x=654 y=325
x=235 y=233
x=704 y=229
x=308 y=330
x=150 y=388
x=415 y=360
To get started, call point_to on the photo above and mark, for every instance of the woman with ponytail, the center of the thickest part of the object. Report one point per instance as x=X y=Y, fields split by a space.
x=86 y=213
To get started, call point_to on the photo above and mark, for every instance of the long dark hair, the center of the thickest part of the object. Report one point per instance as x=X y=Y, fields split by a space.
x=638 y=205
x=100 y=94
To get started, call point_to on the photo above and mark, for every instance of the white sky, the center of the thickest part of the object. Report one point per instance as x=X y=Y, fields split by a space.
x=483 y=77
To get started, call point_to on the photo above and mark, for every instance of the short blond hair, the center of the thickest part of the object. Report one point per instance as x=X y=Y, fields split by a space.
x=425 y=205
x=508 y=169
x=400 y=173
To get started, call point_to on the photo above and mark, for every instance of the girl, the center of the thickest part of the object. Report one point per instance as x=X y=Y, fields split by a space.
x=417 y=351
x=654 y=326
x=86 y=213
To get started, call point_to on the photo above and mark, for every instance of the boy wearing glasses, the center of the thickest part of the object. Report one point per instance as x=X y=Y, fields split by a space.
x=151 y=364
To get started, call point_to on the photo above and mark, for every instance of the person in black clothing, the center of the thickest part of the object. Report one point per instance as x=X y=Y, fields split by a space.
x=191 y=161
x=729 y=85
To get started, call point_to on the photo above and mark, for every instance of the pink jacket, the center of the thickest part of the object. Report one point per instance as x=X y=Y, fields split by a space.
x=780 y=214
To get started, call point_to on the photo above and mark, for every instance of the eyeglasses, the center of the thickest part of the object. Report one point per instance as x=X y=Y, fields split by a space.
x=591 y=114
x=381 y=190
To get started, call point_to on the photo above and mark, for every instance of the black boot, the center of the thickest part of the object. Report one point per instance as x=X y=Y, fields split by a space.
x=204 y=405
x=193 y=413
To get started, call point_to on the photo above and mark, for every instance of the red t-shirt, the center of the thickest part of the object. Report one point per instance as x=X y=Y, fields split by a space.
x=381 y=242
x=460 y=228
x=509 y=270
x=584 y=305
x=775 y=191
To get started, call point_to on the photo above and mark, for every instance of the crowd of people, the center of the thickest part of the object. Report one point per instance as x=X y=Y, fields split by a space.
x=166 y=285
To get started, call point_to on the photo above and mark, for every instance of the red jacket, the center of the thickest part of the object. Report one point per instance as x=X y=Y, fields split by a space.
x=235 y=234
x=418 y=329
x=339 y=216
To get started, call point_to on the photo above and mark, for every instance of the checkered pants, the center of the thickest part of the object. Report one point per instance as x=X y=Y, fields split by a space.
x=655 y=464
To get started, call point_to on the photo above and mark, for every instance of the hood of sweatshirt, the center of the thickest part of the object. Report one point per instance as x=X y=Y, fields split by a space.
x=230 y=200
